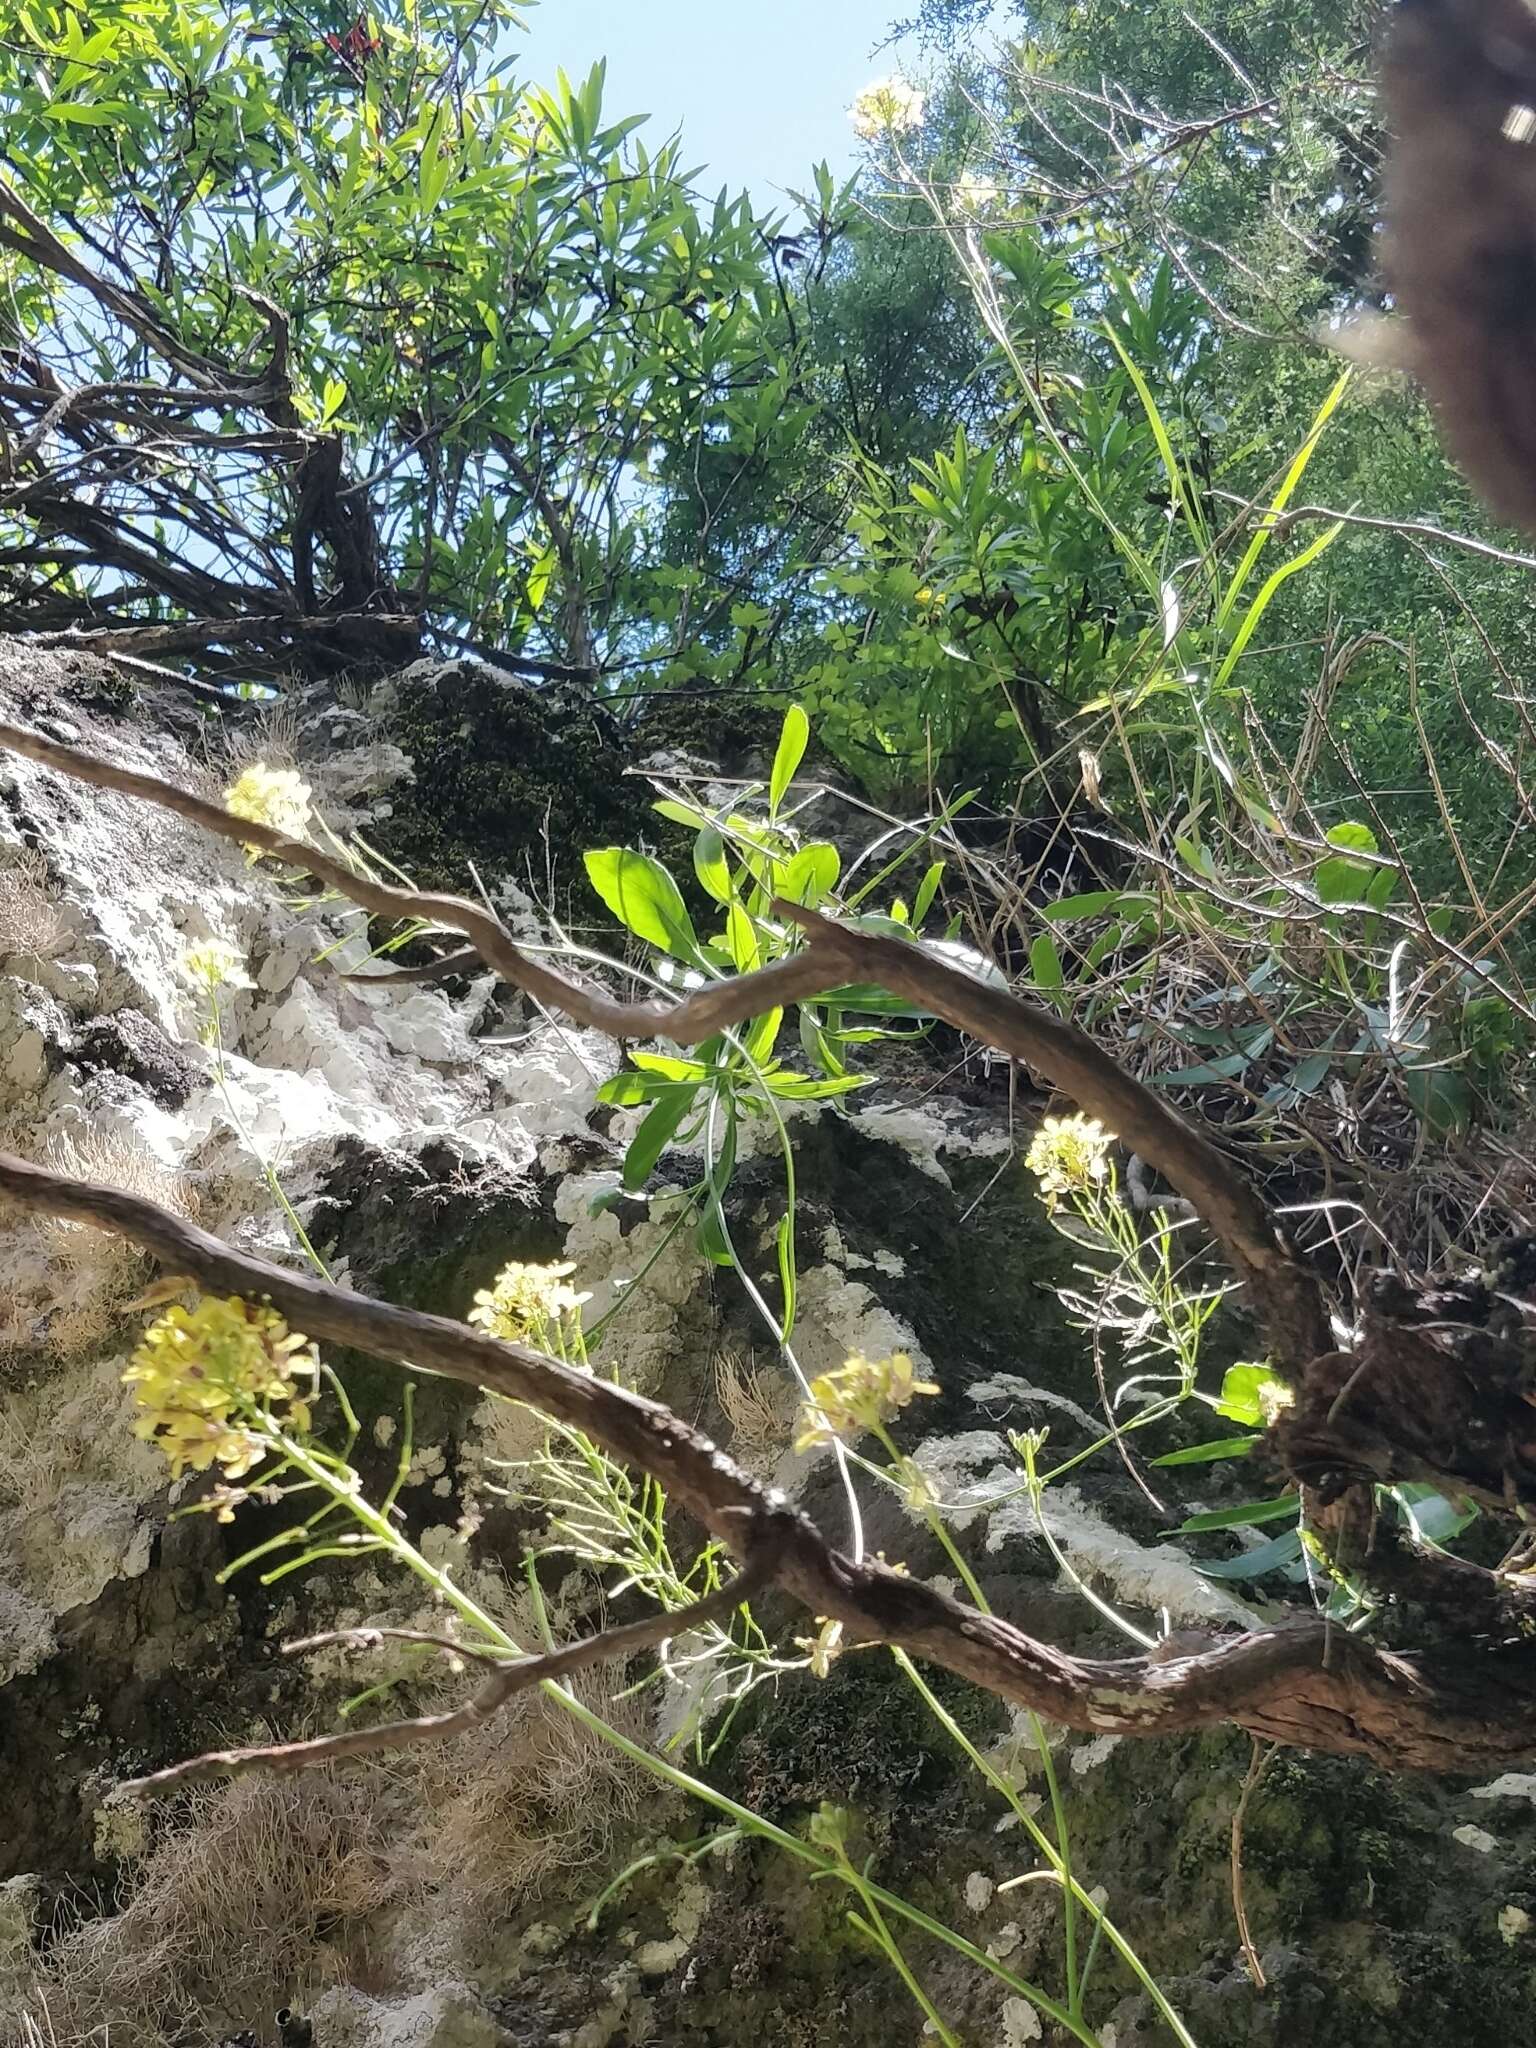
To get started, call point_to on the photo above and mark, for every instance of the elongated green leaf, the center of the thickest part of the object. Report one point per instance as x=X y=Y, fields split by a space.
x=1045 y=967
x=1434 y=1517
x=627 y=1091
x=761 y=1035
x=817 y=1045
x=793 y=736
x=679 y=813
x=643 y=896
x=1094 y=904
x=655 y=1133
x=710 y=864
x=89 y=113
x=741 y=937
x=1244 y=1516
x=797 y=1088
x=669 y=1066
x=788 y=1278
x=1282 y=498
x=927 y=889
x=1207 y=1454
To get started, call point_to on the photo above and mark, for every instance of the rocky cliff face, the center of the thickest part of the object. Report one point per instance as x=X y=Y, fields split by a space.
x=423 y=1137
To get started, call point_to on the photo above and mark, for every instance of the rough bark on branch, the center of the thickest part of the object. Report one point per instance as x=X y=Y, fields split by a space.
x=1305 y=1685
x=1285 y=1291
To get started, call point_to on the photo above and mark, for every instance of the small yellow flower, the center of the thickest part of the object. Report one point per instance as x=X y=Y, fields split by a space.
x=205 y=1380
x=824 y=1648
x=887 y=107
x=277 y=797
x=1070 y=1155
x=214 y=965
x=858 y=1396
x=527 y=1301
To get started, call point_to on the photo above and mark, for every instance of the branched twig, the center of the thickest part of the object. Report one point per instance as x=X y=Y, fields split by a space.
x=1286 y=1292
x=504 y=1684
x=186 y=636
x=1444 y=1711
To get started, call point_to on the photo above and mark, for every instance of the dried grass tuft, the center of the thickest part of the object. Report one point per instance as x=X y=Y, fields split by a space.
x=256 y=1898
x=266 y=1890
x=110 y=1267
x=32 y=925
x=529 y=1801
x=760 y=1408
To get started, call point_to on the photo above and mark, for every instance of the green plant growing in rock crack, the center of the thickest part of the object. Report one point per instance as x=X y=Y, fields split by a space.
x=227 y=1389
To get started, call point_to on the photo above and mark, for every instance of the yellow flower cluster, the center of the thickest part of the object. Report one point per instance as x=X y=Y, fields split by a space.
x=527 y=1301
x=204 y=1379
x=1070 y=1155
x=860 y=1395
x=886 y=107
x=276 y=797
x=214 y=965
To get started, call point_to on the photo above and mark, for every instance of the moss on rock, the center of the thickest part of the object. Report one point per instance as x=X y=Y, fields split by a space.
x=497 y=765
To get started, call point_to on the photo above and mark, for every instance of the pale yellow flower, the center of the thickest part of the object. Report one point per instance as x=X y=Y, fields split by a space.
x=860 y=1395
x=215 y=964
x=1070 y=1155
x=527 y=1301
x=205 y=1379
x=888 y=107
x=824 y=1648
x=279 y=798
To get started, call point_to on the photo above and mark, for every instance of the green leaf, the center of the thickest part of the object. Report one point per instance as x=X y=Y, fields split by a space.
x=785 y=1244
x=655 y=1134
x=1340 y=880
x=1244 y=1516
x=680 y=814
x=669 y=1066
x=1350 y=836
x=1434 y=1517
x=810 y=875
x=1207 y=1071
x=742 y=940
x=759 y=1040
x=1095 y=903
x=795 y=733
x=711 y=1241
x=710 y=865
x=1207 y=1454
x=817 y=1045
x=927 y=889
x=1442 y=1098
x=89 y=113
x=797 y=1088
x=1045 y=967
x=1248 y=1392
x=643 y=896
x=627 y=1091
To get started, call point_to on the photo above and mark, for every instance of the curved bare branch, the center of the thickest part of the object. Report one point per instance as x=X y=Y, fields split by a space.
x=1305 y=1685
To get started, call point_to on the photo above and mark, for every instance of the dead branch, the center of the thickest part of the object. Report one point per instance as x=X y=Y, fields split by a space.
x=1305 y=1685
x=504 y=1684
x=188 y=636
x=1286 y=1292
